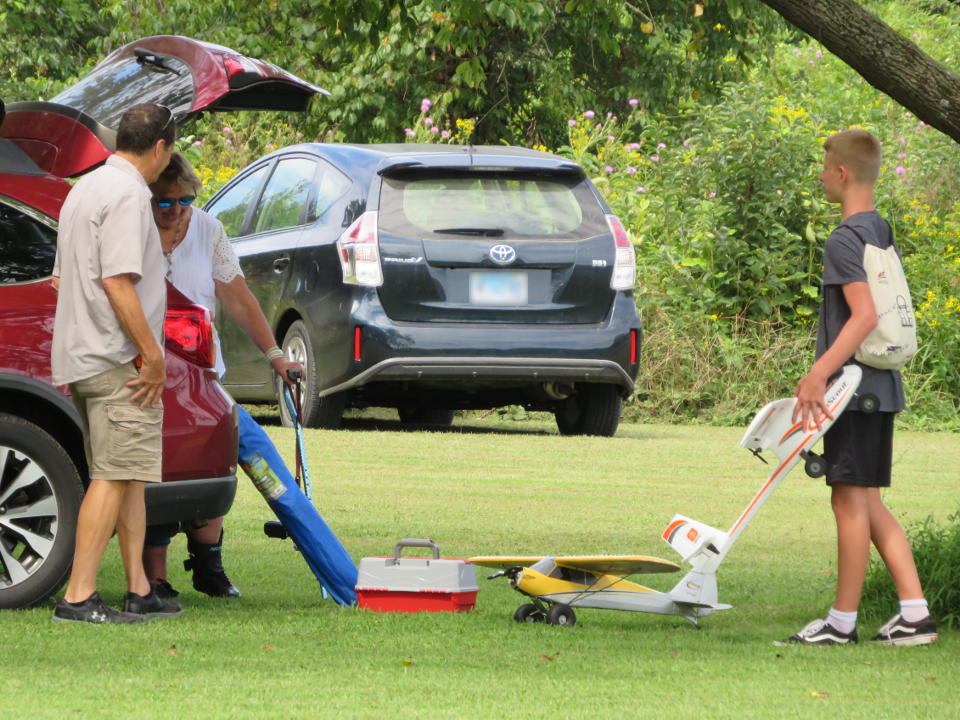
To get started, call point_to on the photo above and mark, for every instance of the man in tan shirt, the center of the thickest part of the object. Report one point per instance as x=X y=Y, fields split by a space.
x=108 y=347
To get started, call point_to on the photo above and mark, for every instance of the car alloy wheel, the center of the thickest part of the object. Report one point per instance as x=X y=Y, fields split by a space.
x=40 y=494
x=318 y=412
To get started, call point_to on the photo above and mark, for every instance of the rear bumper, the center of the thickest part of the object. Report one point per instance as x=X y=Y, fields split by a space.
x=482 y=370
x=189 y=500
x=478 y=355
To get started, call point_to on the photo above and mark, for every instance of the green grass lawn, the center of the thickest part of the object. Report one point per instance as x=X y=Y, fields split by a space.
x=491 y=486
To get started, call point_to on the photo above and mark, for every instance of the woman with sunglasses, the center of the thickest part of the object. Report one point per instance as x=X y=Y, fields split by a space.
x=202 y=265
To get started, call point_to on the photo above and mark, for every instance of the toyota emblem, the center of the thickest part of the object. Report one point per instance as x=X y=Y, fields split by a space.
x=503 y=254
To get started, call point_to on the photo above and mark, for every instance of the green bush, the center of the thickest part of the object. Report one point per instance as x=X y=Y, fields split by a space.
x=936 y=550
x=725 y=209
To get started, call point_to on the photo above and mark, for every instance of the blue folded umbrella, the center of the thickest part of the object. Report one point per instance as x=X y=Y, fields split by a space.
x=323 y=551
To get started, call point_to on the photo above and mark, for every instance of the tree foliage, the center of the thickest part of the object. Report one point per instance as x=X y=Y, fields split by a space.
x=517 y=66
x=44 y=43
x=883 y=57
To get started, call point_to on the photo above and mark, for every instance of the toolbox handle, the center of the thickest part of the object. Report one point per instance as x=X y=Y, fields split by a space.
x=416 y=542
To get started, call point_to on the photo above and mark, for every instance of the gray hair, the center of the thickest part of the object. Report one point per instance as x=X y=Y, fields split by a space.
x=179 y=171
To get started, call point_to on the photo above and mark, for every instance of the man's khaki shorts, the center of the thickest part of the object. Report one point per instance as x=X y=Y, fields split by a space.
x=122 y=441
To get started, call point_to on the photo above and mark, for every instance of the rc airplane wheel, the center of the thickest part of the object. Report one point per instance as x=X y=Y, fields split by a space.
x=814 y=465
x=561 y=615
x=868 y=403
x=529 y=613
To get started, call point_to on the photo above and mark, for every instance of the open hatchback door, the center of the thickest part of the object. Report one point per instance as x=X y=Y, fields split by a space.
x=76 y=130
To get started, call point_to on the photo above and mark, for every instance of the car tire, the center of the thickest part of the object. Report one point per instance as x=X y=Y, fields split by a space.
x=40 y=495
x=439 y=417
x=318 y=412
x=593 y=410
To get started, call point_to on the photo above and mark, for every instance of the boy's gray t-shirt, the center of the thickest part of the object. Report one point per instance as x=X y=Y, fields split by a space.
x=843 y=263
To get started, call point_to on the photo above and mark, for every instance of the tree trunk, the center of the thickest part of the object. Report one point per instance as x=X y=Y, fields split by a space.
x=885 y=59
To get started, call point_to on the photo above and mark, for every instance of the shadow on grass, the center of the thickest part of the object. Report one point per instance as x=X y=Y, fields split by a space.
x=269 y=417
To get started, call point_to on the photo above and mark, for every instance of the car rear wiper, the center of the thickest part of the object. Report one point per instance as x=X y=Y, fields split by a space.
x=155 y=60
x=485 y=232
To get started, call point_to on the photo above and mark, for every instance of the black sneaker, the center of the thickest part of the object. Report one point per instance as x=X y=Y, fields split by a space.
x=150 y=606
x=164 y=589
x=92 y=610
x=820 y=632
x=898 y=631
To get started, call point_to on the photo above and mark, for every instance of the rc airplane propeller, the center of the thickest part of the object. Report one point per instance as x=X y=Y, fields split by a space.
x=556 y=585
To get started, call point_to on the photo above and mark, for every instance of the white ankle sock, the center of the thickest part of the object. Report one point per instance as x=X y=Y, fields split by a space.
x=913 y=610
x=845 y=622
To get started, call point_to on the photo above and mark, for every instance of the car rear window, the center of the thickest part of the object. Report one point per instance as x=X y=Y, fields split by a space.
x=107 y=92
x=493 y=204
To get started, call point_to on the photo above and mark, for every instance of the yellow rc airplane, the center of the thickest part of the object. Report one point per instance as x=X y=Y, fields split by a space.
x=556 y=585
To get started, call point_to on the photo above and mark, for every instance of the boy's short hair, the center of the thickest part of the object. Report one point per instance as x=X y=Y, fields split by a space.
x=141 y=126
x=179 y=171
x=858 y=151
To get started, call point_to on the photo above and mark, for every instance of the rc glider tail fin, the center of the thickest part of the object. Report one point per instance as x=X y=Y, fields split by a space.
x=698 y=544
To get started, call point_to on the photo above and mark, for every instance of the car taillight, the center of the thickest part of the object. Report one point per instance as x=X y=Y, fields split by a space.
x=625 y=263
x=359 y=252
x=189 y=333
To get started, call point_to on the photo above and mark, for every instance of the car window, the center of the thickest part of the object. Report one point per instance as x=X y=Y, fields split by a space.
x=107 y=92
x=231 y=207
x=27 y=247
x=284 y=199
x=331 y=185
x=539 y=206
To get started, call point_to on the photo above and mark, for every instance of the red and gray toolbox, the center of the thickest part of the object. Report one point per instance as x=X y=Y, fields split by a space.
x=416 y=584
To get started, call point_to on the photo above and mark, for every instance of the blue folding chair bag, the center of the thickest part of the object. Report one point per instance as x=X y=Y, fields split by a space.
x=327 y=558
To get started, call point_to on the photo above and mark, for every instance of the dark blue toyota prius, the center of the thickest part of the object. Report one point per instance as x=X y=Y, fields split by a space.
x=432 y=278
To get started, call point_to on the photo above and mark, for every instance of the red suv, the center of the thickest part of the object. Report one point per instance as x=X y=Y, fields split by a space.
x=42 y=466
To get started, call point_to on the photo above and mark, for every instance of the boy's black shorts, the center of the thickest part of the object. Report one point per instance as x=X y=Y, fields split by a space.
x=859 y=449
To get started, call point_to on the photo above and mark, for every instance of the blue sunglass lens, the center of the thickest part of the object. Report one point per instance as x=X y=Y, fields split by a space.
x=169 y=202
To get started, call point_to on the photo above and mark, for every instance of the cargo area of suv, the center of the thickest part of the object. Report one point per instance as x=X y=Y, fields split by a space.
x=469 y=278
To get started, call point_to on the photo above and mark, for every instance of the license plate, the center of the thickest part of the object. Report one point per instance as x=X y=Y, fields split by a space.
x=500 y=287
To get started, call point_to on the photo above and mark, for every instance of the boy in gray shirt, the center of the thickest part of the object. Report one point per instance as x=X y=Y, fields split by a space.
x=858 y=448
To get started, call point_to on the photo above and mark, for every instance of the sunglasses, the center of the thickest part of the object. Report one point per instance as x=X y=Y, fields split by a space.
x=170 y=202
